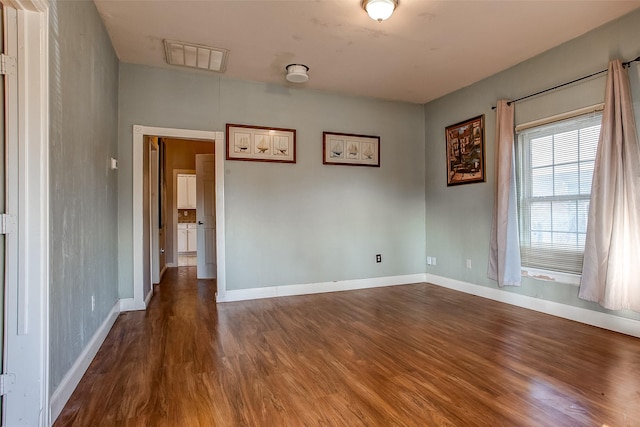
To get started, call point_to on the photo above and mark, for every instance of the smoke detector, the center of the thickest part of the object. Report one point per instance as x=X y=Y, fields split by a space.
x=297 y=73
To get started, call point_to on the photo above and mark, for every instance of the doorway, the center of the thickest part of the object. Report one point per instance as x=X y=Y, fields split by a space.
x=195 y=218
x=185 y=243
x=142 y=288
x=184 y=219
x=175 y=210
x=155 y=207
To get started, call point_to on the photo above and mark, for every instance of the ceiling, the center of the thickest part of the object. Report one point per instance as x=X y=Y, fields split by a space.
x=427 y=49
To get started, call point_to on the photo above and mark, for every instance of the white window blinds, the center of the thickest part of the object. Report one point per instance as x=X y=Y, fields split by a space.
x=554 y=170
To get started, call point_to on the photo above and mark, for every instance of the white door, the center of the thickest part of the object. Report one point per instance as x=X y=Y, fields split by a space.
x=206 y=215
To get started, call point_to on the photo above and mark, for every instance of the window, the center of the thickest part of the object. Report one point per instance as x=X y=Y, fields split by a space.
x=554 y=170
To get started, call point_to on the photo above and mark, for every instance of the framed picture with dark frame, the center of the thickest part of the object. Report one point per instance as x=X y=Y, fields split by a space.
x=350 y=149
x=261 y=144
x=465 y=151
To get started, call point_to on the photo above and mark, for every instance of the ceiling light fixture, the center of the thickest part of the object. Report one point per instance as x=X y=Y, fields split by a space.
x=379 y=10
x=297 y=73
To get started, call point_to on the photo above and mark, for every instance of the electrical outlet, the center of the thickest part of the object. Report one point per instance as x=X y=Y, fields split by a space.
x=93 y=302
x=433 y=260
x=428 y=260
x=379 y=258
x=468 y=263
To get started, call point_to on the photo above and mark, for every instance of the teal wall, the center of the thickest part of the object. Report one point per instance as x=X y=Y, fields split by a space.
x=290 y=223
x=458 y=219
x=83 y=190
x=160 y=98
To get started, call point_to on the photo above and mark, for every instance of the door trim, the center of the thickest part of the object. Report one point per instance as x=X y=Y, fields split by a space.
x=27 y=314
x=139 y=132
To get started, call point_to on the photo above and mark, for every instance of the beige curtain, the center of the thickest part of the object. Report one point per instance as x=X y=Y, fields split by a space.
x=611 y=269
x=504 y=253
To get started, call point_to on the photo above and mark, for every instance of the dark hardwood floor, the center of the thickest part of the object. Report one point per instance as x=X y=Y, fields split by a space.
x=414 y=355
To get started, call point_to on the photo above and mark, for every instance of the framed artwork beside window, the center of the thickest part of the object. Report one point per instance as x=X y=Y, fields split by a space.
x=261 y=144
x=465 y=151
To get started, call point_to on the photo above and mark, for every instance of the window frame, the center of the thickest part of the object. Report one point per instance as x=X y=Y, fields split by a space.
x=539 y=270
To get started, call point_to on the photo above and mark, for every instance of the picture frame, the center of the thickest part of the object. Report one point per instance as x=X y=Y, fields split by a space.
x=350 y=149
x=260 y=144
x=465 y=151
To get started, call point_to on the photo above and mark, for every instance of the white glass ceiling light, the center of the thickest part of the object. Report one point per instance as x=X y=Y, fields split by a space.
x=379 y=10
x=297 y=73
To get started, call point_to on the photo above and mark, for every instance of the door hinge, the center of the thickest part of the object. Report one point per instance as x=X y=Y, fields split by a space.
x=7 y=223
x=7 y=64
x=7 y=381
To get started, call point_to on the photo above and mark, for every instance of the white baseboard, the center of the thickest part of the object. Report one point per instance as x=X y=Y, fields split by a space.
x=70 y=381
x=130 y=304
x=314 y=288
x=619 y=324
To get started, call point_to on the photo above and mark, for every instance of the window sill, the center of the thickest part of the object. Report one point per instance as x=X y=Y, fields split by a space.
x=551 y=276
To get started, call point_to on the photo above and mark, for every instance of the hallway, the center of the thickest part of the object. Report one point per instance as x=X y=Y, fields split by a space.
x=397 y=356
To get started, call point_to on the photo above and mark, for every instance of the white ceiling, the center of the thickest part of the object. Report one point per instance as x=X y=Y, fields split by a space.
x=427 y=49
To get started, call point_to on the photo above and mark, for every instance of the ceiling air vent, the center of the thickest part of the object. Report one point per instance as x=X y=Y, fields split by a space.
x=196 y=56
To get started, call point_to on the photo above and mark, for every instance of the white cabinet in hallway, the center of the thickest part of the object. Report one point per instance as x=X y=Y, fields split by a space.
x=192 y=233
x=182 y=237
x=187 y=237
x=186 y=191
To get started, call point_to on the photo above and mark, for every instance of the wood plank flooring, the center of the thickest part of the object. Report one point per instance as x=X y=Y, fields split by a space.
x=414 y=355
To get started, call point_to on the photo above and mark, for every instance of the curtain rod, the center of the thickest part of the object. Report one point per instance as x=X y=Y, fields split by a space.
x=624 y=65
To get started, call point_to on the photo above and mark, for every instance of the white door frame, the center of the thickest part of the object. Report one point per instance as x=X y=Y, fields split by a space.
x=27 y=275
x=137 y=206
